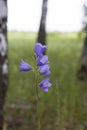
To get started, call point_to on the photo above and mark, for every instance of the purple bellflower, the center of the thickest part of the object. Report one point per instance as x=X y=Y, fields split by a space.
x=24 y=66
x=45 y=84
x=42 y=63
x=40 y=49
x=42 y=60
x=44 y=69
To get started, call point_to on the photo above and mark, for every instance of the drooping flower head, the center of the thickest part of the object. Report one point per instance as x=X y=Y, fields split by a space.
x=24 y=66
x=44 y=69
x=40 y=49
x=42 y=60
x=45 y=84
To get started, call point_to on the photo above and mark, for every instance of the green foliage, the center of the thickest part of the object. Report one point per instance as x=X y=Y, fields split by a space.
x=62 y=104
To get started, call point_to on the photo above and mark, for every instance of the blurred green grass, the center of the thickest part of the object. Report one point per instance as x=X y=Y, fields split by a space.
x=63 y=101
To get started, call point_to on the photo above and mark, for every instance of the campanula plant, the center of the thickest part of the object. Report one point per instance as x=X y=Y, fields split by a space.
x=42 y=68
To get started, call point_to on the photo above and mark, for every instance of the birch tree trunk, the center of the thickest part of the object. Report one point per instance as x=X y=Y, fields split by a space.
x=42 y=29
x=3 y=59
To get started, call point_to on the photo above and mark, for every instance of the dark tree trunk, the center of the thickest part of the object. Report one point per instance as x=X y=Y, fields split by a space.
x=82 y=74
x=42 y=29
x=3 y=59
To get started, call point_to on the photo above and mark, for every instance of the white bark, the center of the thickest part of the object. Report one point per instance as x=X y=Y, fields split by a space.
x=3 y=9
x=5 y=68
x=3 y=45
x=3 y=59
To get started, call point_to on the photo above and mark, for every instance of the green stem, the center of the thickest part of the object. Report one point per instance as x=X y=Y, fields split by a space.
x=37 y=98
x=58 y=105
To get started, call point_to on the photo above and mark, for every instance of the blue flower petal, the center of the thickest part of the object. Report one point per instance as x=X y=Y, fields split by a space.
x=24 y=66
x=44 y=48
x=42 y=60
x=45 y=89
x=45 y=84
x=44 y=69
x=39 y=49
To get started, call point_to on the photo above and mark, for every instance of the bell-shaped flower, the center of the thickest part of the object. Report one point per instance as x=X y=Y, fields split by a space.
x=24 y=66
x=45 y=84
x=40 y=49
x=44 y=69
x=42 y=60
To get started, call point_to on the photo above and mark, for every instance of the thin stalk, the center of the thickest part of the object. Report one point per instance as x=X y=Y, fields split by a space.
x=37 y=98
x=58 y=120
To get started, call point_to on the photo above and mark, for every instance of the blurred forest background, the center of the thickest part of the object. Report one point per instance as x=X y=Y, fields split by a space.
x=64 y=107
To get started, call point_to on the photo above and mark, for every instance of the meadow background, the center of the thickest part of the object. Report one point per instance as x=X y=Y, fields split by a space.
x=64 y=107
